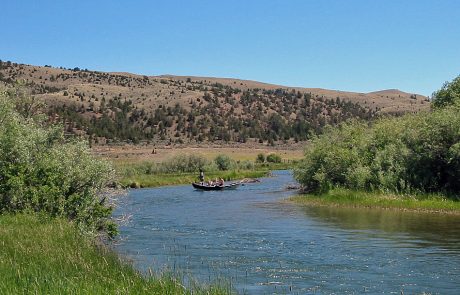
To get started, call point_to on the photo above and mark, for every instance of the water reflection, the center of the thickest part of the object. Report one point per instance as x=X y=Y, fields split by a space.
x=419 y=229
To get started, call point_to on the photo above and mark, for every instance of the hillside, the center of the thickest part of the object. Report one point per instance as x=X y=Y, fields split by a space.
x=178 y=109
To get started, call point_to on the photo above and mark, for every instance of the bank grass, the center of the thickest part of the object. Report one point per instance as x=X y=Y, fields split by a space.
x=276 y=166
x=39 y=255
x=353 y=198
x=155 y=180
x=184 y=168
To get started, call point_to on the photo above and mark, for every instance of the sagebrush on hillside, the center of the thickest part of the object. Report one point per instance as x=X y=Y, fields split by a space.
x=127 y=107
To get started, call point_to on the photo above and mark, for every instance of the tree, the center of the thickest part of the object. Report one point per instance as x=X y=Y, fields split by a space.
x=449 y=94
x=27 y=106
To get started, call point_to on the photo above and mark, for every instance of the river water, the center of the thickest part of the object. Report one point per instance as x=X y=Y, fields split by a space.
x=261 y=244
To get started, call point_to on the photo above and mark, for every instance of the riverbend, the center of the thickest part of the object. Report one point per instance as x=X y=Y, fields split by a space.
x=261 y=244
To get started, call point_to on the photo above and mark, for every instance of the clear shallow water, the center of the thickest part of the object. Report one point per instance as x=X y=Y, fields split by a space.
x=263 y=245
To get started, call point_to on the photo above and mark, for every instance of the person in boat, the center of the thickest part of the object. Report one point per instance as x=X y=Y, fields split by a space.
x=201 y=176
x=221 y=182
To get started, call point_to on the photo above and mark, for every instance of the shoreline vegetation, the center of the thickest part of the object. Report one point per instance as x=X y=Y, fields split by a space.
x=40 y=255
x=184 y=169
x=156 y=180
x=55 y=213
x=53 y=209
x=340 y=197
x=414 y=159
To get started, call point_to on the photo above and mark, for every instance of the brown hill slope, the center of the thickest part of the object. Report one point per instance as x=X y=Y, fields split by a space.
x=391 y=100
x=124 y=106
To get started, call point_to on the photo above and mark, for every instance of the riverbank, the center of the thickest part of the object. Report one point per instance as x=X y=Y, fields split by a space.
x=39 y=255
x=141 y=176
x=348 y=198
x=155 y=180
x=137 y=154
x=182 y=166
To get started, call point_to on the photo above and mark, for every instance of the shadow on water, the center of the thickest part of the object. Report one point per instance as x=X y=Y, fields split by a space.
x=420 y=228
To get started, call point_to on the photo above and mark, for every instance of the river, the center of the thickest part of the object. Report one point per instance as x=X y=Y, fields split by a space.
x=261 y=244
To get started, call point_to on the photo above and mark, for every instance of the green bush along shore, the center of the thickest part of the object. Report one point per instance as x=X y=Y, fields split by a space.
x=42 y=171
x=53 y=212
x=413 y=155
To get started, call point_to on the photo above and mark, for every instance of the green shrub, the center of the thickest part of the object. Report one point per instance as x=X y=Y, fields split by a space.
x=184 y=163
x=246 y=165
x=410 y=154
x=449 y=94
x=223 y=162
x=129 y=170
x=273 y=158
x=260 y=158
x=40 y=171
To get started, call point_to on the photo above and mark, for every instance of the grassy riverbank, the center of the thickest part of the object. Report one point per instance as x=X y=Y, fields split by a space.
x=154 y=180
x=44 y=256
x=142 y=175
x=184 y=168
x=350 y=198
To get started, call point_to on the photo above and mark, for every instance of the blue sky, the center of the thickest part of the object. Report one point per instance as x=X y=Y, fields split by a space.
x=346 y=45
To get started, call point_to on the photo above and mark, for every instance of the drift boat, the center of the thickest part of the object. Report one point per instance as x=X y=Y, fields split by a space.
x=215 y=187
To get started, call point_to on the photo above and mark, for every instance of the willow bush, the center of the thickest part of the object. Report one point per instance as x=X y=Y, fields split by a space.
x=183 y=163
x=409 y=154
x=224 y=162
x=41 y=171
x=449 y=94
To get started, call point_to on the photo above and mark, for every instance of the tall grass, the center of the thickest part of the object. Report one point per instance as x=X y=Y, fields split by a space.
x=39 y=255
x=155 y=180
x=352 y=198
x=183 y=169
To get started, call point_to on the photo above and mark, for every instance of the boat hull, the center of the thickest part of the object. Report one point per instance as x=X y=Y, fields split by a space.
x=215 y=187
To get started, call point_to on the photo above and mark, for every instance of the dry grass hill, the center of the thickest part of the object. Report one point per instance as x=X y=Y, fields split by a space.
x=178 y=109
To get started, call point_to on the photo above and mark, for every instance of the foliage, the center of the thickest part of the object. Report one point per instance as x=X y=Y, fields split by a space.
x=183 y=163
x=126 y=108
x=260 y=158
x=245 y=165
x=184 y=168
x=42 y=172
x=414 y=153
x=223 y=162
x=273 y=158
x=26 y=105
x=155 y=180
x=449 y=94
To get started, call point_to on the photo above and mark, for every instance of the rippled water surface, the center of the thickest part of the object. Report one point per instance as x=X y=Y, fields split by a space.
x=263 y=245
